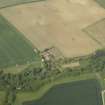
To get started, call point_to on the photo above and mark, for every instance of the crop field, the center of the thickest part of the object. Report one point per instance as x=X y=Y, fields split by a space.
x=86 y=92
x=57 y=23
x=97 y=32
x=2 y=97
x=14 y=48
x=101 y=2
x=9 y=3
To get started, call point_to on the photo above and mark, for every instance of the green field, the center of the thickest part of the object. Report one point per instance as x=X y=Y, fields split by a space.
x=14 y=48
x=9 y=3
x=2 y=97
x=101 y=2
x=86 y=92
x=97 y=32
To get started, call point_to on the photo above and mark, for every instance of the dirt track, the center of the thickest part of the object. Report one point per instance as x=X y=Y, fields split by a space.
x=57 y=23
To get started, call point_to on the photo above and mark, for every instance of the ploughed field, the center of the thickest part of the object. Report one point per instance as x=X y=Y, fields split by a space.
x=87 y=92
x=14 y=48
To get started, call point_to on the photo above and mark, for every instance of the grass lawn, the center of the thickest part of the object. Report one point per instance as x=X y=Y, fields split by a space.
x=25 y=96
x=86 y=92
x=9 y=3
x=15 y=49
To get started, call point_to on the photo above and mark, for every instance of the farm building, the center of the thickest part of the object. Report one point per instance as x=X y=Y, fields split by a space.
x=52 y=53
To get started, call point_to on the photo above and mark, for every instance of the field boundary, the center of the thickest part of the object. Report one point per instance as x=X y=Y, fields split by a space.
x=30 y=54
x=85 y=30
x=101 y=3
x=21 y=3
x=93 y=38
x=22 y=34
